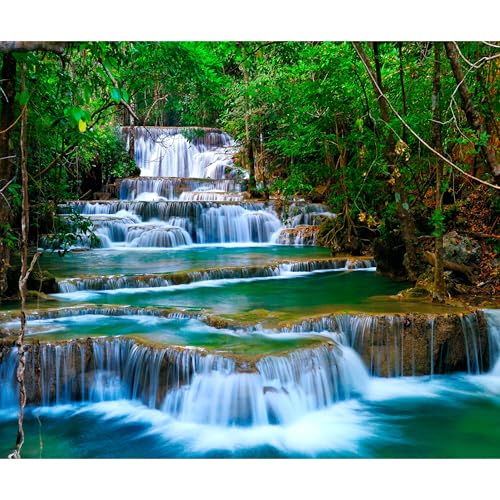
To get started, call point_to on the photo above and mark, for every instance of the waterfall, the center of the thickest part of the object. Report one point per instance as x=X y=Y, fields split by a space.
x=210 y=196
x=234 y=224
x=183 y=152
x=493 y=320
x=9 y=396
x=281 y=389
x=473 y=352
x=172 y=188
x=102 y=369
x=176 y=223
x=410 y=344
x=189 y=181
x=156 y=235
x=188 y=384
x=194 y=386
x=164 y=280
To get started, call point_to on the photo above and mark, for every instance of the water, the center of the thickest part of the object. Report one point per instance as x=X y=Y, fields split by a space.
x=452 y=417
x=190 y=192
x=172 y=188
x=192 y=334
x=164 y=331
x=175 y=152
x=133 y=261
x=311 y=293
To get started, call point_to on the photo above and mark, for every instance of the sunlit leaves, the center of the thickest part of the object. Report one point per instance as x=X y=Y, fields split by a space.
x=82 y=126
x=78 y=117
x=116 y=94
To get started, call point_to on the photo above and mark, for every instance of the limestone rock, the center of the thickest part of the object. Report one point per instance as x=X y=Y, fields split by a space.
x=461 y=249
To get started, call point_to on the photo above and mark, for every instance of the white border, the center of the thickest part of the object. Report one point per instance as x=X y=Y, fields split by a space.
x=249 y=20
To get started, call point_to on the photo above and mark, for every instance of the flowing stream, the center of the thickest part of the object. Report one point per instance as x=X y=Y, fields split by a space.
x=206 y=325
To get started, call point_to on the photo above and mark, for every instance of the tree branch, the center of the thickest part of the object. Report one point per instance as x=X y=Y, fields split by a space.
x=57 y=47
x=152 y=106
x=14 y=122
x=122 y=101
x=424 y=143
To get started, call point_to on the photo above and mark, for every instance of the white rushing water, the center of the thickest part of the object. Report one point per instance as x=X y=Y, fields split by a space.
x=175 y=152
x=189 y=384
x=189 y=181
x=306 y=402
x=493 y=319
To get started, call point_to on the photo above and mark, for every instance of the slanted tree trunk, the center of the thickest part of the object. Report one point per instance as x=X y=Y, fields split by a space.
x=406 y=221
x=25 y=272
x=7 y=170
x=438 y=292
x=475 y=120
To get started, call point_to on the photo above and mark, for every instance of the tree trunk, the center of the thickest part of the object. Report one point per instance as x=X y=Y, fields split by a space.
x=7 y=170
x=249 y=146
x=475 y=120
x=407 y=224
x=438 y=292
x=403 y=90
x=25 y=271
x=22 y=284
x=131 y=133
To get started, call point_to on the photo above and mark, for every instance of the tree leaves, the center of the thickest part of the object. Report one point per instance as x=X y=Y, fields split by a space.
x=116 y=95
x=82 y=126
x=78 y=117
x=22 y=97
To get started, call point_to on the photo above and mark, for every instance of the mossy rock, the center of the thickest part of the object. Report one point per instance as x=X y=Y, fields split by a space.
x=34 y=295
x=417 y=292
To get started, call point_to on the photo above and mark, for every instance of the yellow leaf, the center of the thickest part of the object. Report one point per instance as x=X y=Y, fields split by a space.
x=82 y=126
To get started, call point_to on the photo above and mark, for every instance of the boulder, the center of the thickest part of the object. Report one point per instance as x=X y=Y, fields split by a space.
x=461 y=249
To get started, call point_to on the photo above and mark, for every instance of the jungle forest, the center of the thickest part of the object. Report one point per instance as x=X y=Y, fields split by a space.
x=249 y=249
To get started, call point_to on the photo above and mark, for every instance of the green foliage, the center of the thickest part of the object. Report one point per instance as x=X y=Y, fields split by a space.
x=15 y=196
x=70 y=231
x=9 y=236
x=296 y=184
x=438 y=221
x=307 y=108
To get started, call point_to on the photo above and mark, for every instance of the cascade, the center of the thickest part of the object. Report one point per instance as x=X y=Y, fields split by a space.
x=188 y=181
x=493 y=320
x=163 y=280
x=99 y=370
x=157 y=235
x=210 y=196
x=188 y=384
x=394 y=345
x=9 y=396
x=175 y=223
x=172 y=188
x=183 y=152
x=280 y=390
